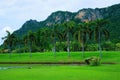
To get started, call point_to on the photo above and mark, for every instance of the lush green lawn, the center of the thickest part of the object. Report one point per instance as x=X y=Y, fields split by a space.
x=109 y=56
x=61 y=72
x=103 y=72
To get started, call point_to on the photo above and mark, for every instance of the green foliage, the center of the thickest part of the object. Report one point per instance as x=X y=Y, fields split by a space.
x=118 y=46
x=108 y=46
x=75 y=46
x=69 y=35
x=92 y=47
x=61 y=46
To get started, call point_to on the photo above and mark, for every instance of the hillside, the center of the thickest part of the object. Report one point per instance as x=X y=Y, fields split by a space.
x=111 y=13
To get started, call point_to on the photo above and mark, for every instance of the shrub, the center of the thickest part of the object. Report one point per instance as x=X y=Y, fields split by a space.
x=108 y=46
x=60 y=46
x=93 y=61
x=118 y=46
x=92 y=47
x=75 y=46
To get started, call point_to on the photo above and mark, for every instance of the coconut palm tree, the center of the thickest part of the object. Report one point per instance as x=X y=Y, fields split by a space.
x=68 y=26
x=25 y=42
x=31 y=41
x=10 y=40
x=83 y=33
x=45 y=38
x=99 y=28
x=55 y=34
x=18 y=43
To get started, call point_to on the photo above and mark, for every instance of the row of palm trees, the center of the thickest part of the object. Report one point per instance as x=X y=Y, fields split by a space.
x=65 y=32
x=83 y=32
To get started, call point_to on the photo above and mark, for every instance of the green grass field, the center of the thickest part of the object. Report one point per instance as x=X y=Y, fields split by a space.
x=61 y=72
x=110 y=56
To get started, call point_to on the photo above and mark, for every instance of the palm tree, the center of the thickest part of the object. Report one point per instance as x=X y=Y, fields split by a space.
x=10 y=40
x=55 y=34
x=25 y=42
x=45 y=38
x=31 y=41
x=18 y=42
x=83 y=34
x=99 y=28
x=68 y=26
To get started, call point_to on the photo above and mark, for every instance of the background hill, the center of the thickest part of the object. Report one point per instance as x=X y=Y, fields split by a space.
x=111 y=13
x=35 y=36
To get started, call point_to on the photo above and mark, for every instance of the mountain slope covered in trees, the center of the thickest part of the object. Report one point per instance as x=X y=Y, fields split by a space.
x=111 y=13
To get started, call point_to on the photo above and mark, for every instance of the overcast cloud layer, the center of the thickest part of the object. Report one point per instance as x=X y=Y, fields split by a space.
x=13 y=13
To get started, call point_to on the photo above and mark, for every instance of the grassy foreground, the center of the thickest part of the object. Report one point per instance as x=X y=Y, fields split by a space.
x=61 y=72
x=103 y=72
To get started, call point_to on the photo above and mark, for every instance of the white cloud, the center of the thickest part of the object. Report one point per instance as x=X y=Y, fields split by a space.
x=3 y=32
x=7 y=28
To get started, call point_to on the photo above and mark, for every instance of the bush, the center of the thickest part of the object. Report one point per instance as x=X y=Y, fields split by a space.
x=92 y=47
x=108 y=46
x=118 y=46
x=61 y=46
x=93 y=61
x=75 y=46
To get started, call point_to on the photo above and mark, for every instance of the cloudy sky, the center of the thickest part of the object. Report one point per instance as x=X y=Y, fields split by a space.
x=13 y=13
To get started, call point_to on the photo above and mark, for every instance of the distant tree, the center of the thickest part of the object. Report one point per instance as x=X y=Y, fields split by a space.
x=55 y=35
x=19 y=43
x=10 y=40
x=31 y=41
x=45 y=37
x=83 y=33
x=25 y=42
x=99 y=28
x=68 y=26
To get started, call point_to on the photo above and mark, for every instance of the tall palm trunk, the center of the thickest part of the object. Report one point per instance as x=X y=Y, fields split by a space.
x=99 y=43
x=19 y=51
x=10 y=54
x=83 y=50
x=54 y=41
x=30 y=49
x=68 y=43
x=54 y=49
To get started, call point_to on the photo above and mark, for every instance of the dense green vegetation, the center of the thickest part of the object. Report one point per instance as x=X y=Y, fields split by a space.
x=61 y=37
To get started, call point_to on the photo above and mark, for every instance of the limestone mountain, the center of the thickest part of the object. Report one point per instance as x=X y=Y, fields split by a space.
x=111 y=13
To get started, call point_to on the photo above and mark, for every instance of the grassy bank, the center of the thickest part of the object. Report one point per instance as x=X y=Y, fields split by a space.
x=109 y=56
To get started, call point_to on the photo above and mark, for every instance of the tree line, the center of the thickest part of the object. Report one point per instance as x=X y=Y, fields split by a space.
x=67 y=36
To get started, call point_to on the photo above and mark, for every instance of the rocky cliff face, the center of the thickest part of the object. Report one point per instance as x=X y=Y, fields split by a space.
x=59 y=17
x=88 y=14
